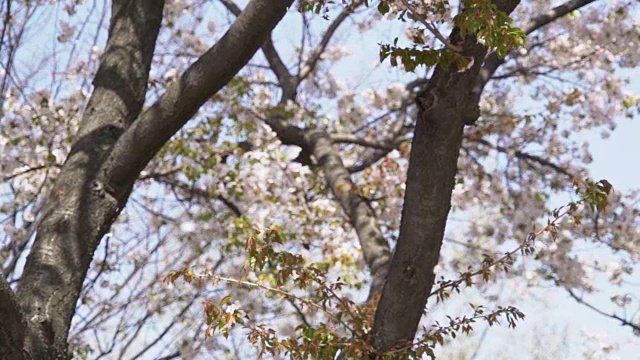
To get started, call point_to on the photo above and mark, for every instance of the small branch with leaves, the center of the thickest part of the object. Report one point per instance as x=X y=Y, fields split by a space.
x=594 y=195
x=348 y=326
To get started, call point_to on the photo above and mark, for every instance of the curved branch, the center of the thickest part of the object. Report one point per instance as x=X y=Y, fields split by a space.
x=492 y=62
x=375 y=157
x=523 y=155
x=214 y=69
x=625 y=322
x=374 y=246
x=112 y=149
x=554 y=14
x=77 y=213
x=312 y=61
x=319 y=144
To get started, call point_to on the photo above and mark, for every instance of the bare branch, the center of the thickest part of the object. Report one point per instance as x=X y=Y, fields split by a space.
x=319 y=144
x=357 y=140
x=192 y=190
x=285 y=79
x=527 y=156
x=554 y=14
x=316 y=54
x=431 y=27
x=625 y=322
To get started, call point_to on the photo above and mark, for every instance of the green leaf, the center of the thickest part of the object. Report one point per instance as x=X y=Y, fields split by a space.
x=225 y=300
x=383 y=8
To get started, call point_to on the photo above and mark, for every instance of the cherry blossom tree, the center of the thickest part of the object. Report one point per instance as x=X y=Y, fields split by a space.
x=303 y=205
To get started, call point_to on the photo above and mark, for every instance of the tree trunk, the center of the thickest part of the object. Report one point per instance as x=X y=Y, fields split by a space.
x=115 y=142
x=446 y=106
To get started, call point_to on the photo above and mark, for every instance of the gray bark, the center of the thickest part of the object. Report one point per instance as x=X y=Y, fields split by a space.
x=114 y=143
x=78 y=212
x=374 y=246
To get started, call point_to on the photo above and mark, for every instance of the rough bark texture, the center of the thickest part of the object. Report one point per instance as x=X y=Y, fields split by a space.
x=115 y=142
x=361 y=216
x=14 y=325
x=449 y=102
x=78 y=211
x=113 y=145
x=446 y=106
x=375 y=248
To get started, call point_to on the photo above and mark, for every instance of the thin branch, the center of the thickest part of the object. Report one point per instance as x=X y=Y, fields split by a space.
x=492 y=61
x=505 y=260
x=432 y=28
x=23 y=172
x=281 y=292
x=199 y=192
x=527 y=156
x=554 y=14
x=180 y=315
x=311 y=63
x=625 y=322
x=376 y=156
x=343 y=138
x=521 y=70
x=270 y=53
x=301 y=314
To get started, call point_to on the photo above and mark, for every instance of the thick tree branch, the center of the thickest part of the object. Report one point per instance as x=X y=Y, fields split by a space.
x=446 y=106
x=362 y=217
x=319 y=144
x=105 y=161
x=201 y=80
x=73 y=220
x=14 y=325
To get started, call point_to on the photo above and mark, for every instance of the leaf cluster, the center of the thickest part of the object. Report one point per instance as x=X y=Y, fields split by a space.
x=346 y=325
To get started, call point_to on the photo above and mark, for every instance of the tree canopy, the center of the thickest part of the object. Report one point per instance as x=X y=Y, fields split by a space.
x=312 y=179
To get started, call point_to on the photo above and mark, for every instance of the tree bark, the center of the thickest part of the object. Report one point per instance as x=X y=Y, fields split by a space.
x=113 y=145
x=374 y=246
x=445 y=107
x=78 y=211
